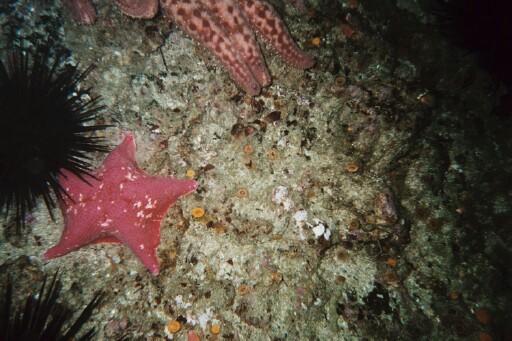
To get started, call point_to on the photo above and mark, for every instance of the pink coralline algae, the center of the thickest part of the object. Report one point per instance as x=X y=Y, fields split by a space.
x=225 y=27
x=121 y=204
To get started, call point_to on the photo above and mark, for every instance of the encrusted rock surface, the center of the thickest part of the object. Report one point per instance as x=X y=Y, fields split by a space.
x=296 y=242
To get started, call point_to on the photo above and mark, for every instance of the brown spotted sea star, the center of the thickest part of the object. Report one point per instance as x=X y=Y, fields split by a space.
x=225 y=27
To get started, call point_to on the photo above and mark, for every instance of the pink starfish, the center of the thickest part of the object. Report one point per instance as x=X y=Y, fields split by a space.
x=225 y=27
x=123 y=204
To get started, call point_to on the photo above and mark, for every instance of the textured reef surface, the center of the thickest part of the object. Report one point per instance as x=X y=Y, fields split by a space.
x=364 y=198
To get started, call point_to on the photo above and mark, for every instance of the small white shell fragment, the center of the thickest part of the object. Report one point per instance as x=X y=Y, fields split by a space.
x=319 y=230
x=300 y=217
x=327 y=234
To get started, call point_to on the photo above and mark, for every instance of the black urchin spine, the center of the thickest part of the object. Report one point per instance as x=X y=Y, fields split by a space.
x=42 y=318
x=46 y=125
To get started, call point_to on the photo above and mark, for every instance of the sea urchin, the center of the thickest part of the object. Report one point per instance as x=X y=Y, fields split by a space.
x=45 y=126
x=42 y=318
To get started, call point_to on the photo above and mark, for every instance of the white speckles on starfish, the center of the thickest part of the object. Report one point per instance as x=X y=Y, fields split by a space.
x=133 y=218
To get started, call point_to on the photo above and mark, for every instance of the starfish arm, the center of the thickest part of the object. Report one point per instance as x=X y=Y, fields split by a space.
x=144 y=243
x=82 y=11
x=158 y=193
x=141 y=231
x=265 y=19
x=122 y=157
x=140 y=9
x=82 y=233
x=82 y=188
x=196 y=21
x=238 y=28
x=225 y=27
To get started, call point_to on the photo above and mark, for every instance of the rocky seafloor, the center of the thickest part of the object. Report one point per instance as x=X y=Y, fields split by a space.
x=363 y=199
